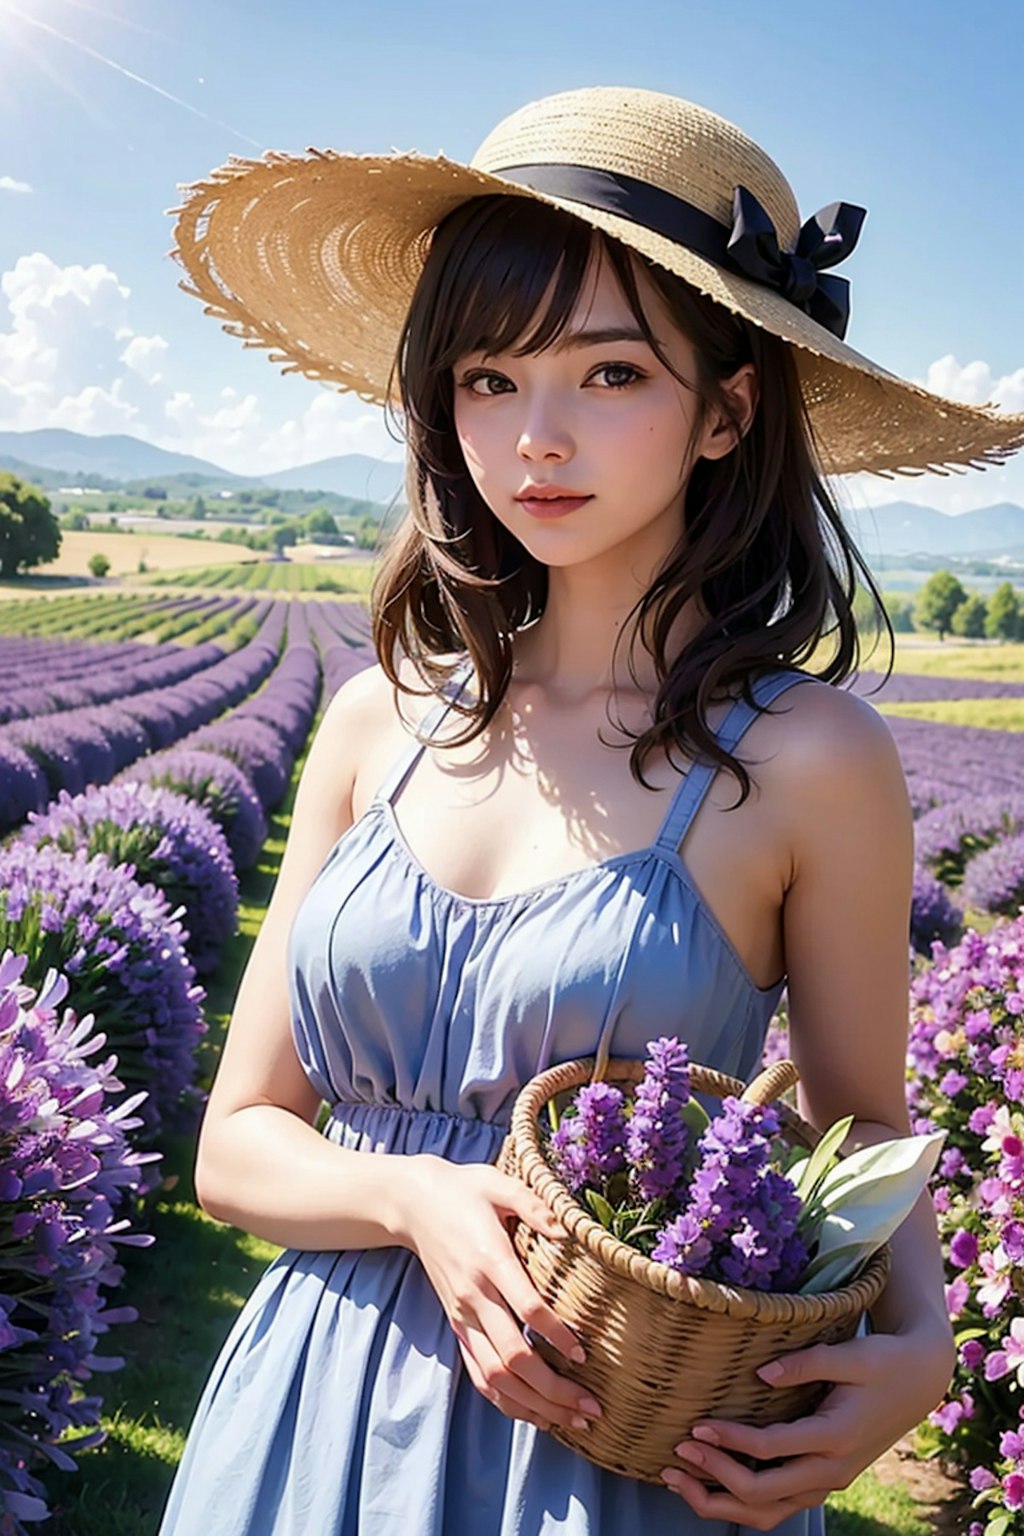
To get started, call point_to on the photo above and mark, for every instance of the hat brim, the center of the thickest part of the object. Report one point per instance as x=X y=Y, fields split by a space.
x=315 y=257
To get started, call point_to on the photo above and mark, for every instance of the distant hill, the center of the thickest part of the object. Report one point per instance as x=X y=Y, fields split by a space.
x=350 y=474
x=117 y=458
x=53 y=457
x=901 y=528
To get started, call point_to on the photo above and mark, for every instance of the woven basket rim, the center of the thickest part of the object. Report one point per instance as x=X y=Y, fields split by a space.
x=611 y=1252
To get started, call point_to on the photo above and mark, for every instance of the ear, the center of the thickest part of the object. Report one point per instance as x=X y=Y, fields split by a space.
x=720 y=435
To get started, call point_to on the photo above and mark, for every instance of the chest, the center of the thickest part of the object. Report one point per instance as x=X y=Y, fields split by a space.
x=543 y=793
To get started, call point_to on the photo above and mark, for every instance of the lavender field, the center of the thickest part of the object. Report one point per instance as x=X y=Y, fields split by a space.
x=147 y=746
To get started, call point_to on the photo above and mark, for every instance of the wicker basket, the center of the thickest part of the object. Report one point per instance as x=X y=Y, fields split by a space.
x=663 y=1349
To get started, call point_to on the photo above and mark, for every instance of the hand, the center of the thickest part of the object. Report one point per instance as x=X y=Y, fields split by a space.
x=456 y=1226
x=885 y=1385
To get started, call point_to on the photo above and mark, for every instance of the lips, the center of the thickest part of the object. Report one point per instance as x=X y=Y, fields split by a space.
x=551 y=506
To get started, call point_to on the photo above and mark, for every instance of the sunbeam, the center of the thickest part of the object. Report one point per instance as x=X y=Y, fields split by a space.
x=93 y=53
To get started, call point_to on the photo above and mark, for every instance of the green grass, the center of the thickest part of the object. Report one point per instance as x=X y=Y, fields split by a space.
x=992 y=714
x=345 y=577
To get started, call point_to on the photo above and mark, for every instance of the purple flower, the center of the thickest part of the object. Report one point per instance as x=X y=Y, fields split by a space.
x=743 y=1209
x=68 y=1165
x=1013 y=1490
x=981 y=1478
x=963 y=1250
x=125 y=951
x=657 y=1136
x=589 y=1145
x=169 y=840
x=972 y=1353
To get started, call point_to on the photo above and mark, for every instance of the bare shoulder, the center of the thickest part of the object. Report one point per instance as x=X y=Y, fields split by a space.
x=827 y=731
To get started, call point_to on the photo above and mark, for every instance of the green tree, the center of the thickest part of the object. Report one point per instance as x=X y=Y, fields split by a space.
x=901 y=612
x=29 y=532
x=76 y=521
x=969 y=618
x=937 y=602
x=1004 y=614
x=99 y=565
x=320 y=521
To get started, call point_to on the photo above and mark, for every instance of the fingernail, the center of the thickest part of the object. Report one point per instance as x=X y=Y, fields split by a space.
x=709 y=1436
x=579 y=1354
x=672 y=1478
x=770 y=1372
x=691 y=1453
x=578 y=1422
x=588 y=1405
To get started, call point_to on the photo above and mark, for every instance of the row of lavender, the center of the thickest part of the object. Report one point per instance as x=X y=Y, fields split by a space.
x=967 y=793
x=115 y=899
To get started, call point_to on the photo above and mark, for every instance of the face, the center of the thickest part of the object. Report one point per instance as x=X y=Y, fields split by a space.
x=596 y=415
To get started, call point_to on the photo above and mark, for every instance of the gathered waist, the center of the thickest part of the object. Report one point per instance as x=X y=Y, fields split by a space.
x=399 y=1128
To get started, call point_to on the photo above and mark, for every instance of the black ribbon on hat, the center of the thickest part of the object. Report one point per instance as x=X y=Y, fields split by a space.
x=750 y=248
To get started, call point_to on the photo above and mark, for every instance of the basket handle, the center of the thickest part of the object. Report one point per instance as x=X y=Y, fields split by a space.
x=771 y=1083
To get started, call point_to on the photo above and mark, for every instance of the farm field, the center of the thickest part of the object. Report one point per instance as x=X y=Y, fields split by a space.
x=160 y=551
x=120 y=707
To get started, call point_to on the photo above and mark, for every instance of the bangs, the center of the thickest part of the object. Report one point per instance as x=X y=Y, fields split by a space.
x=500 y=256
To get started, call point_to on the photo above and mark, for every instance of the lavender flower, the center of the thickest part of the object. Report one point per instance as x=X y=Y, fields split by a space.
x=125 y=951
x=64 y=1164
x=168 y=840
x=657 y=1136
x=589 y=1145
x=740 y=1222
x=933 y=913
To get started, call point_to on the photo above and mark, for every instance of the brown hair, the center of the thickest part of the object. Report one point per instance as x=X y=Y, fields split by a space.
x=762 y=542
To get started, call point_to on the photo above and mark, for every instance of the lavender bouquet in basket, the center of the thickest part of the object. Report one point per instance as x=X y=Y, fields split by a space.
x=728 y=1199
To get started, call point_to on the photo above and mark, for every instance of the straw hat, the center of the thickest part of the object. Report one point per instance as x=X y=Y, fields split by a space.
x=316 y=256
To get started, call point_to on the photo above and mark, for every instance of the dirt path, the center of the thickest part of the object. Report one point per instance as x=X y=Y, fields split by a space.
x=943 y=1502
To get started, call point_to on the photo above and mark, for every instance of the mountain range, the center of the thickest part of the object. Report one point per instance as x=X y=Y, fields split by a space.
x=54 y=457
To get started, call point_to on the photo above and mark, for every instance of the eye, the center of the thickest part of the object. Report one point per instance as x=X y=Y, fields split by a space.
x=474 y=378
x=620 y=368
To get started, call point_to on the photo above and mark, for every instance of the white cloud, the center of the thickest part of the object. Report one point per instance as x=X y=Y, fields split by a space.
x=975 y=384
x=70 y=356
x=9 y=184
x=145 y=354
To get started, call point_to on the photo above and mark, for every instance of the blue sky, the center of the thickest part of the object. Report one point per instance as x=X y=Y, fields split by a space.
x=910 y=109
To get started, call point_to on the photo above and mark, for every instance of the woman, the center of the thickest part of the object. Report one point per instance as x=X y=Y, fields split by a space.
x=622 y=377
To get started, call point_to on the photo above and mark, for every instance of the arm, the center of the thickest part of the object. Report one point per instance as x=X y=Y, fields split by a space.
x=263 y=1166
x=846 y=919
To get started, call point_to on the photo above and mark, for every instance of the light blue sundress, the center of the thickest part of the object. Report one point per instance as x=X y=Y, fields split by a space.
x=339 y=1404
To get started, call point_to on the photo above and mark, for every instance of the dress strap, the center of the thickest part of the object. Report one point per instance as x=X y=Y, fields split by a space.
x=399 y=771
x=689 y=793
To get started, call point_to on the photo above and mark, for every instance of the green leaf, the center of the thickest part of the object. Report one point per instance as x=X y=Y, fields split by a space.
x=601 y=1209
x=865 y=1199
x=822 y=1159
x=695 y=1118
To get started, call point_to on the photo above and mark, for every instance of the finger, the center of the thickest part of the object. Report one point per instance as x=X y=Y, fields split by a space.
x=518 y=1357
x=724 y=1506
x=511 y=1393
x=847 y=1363
x=817 y=1435
x=504 y=1406
x=514 y=1198
x=795 y=1479
x=514 y=1285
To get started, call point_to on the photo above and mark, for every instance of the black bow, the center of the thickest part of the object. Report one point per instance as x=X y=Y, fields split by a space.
x=826 y=238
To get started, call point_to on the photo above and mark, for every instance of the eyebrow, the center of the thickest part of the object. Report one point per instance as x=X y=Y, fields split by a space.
x=571 y=341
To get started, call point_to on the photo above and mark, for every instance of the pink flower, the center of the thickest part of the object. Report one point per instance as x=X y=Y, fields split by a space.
x=1011 y=1357
x=957 y=1295
x=1013 y=1490
x=995 y=1285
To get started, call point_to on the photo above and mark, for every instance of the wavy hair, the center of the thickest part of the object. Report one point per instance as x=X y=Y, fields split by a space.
x=761 y=542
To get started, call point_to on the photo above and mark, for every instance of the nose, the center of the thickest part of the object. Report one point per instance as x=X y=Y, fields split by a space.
x=542 y=436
